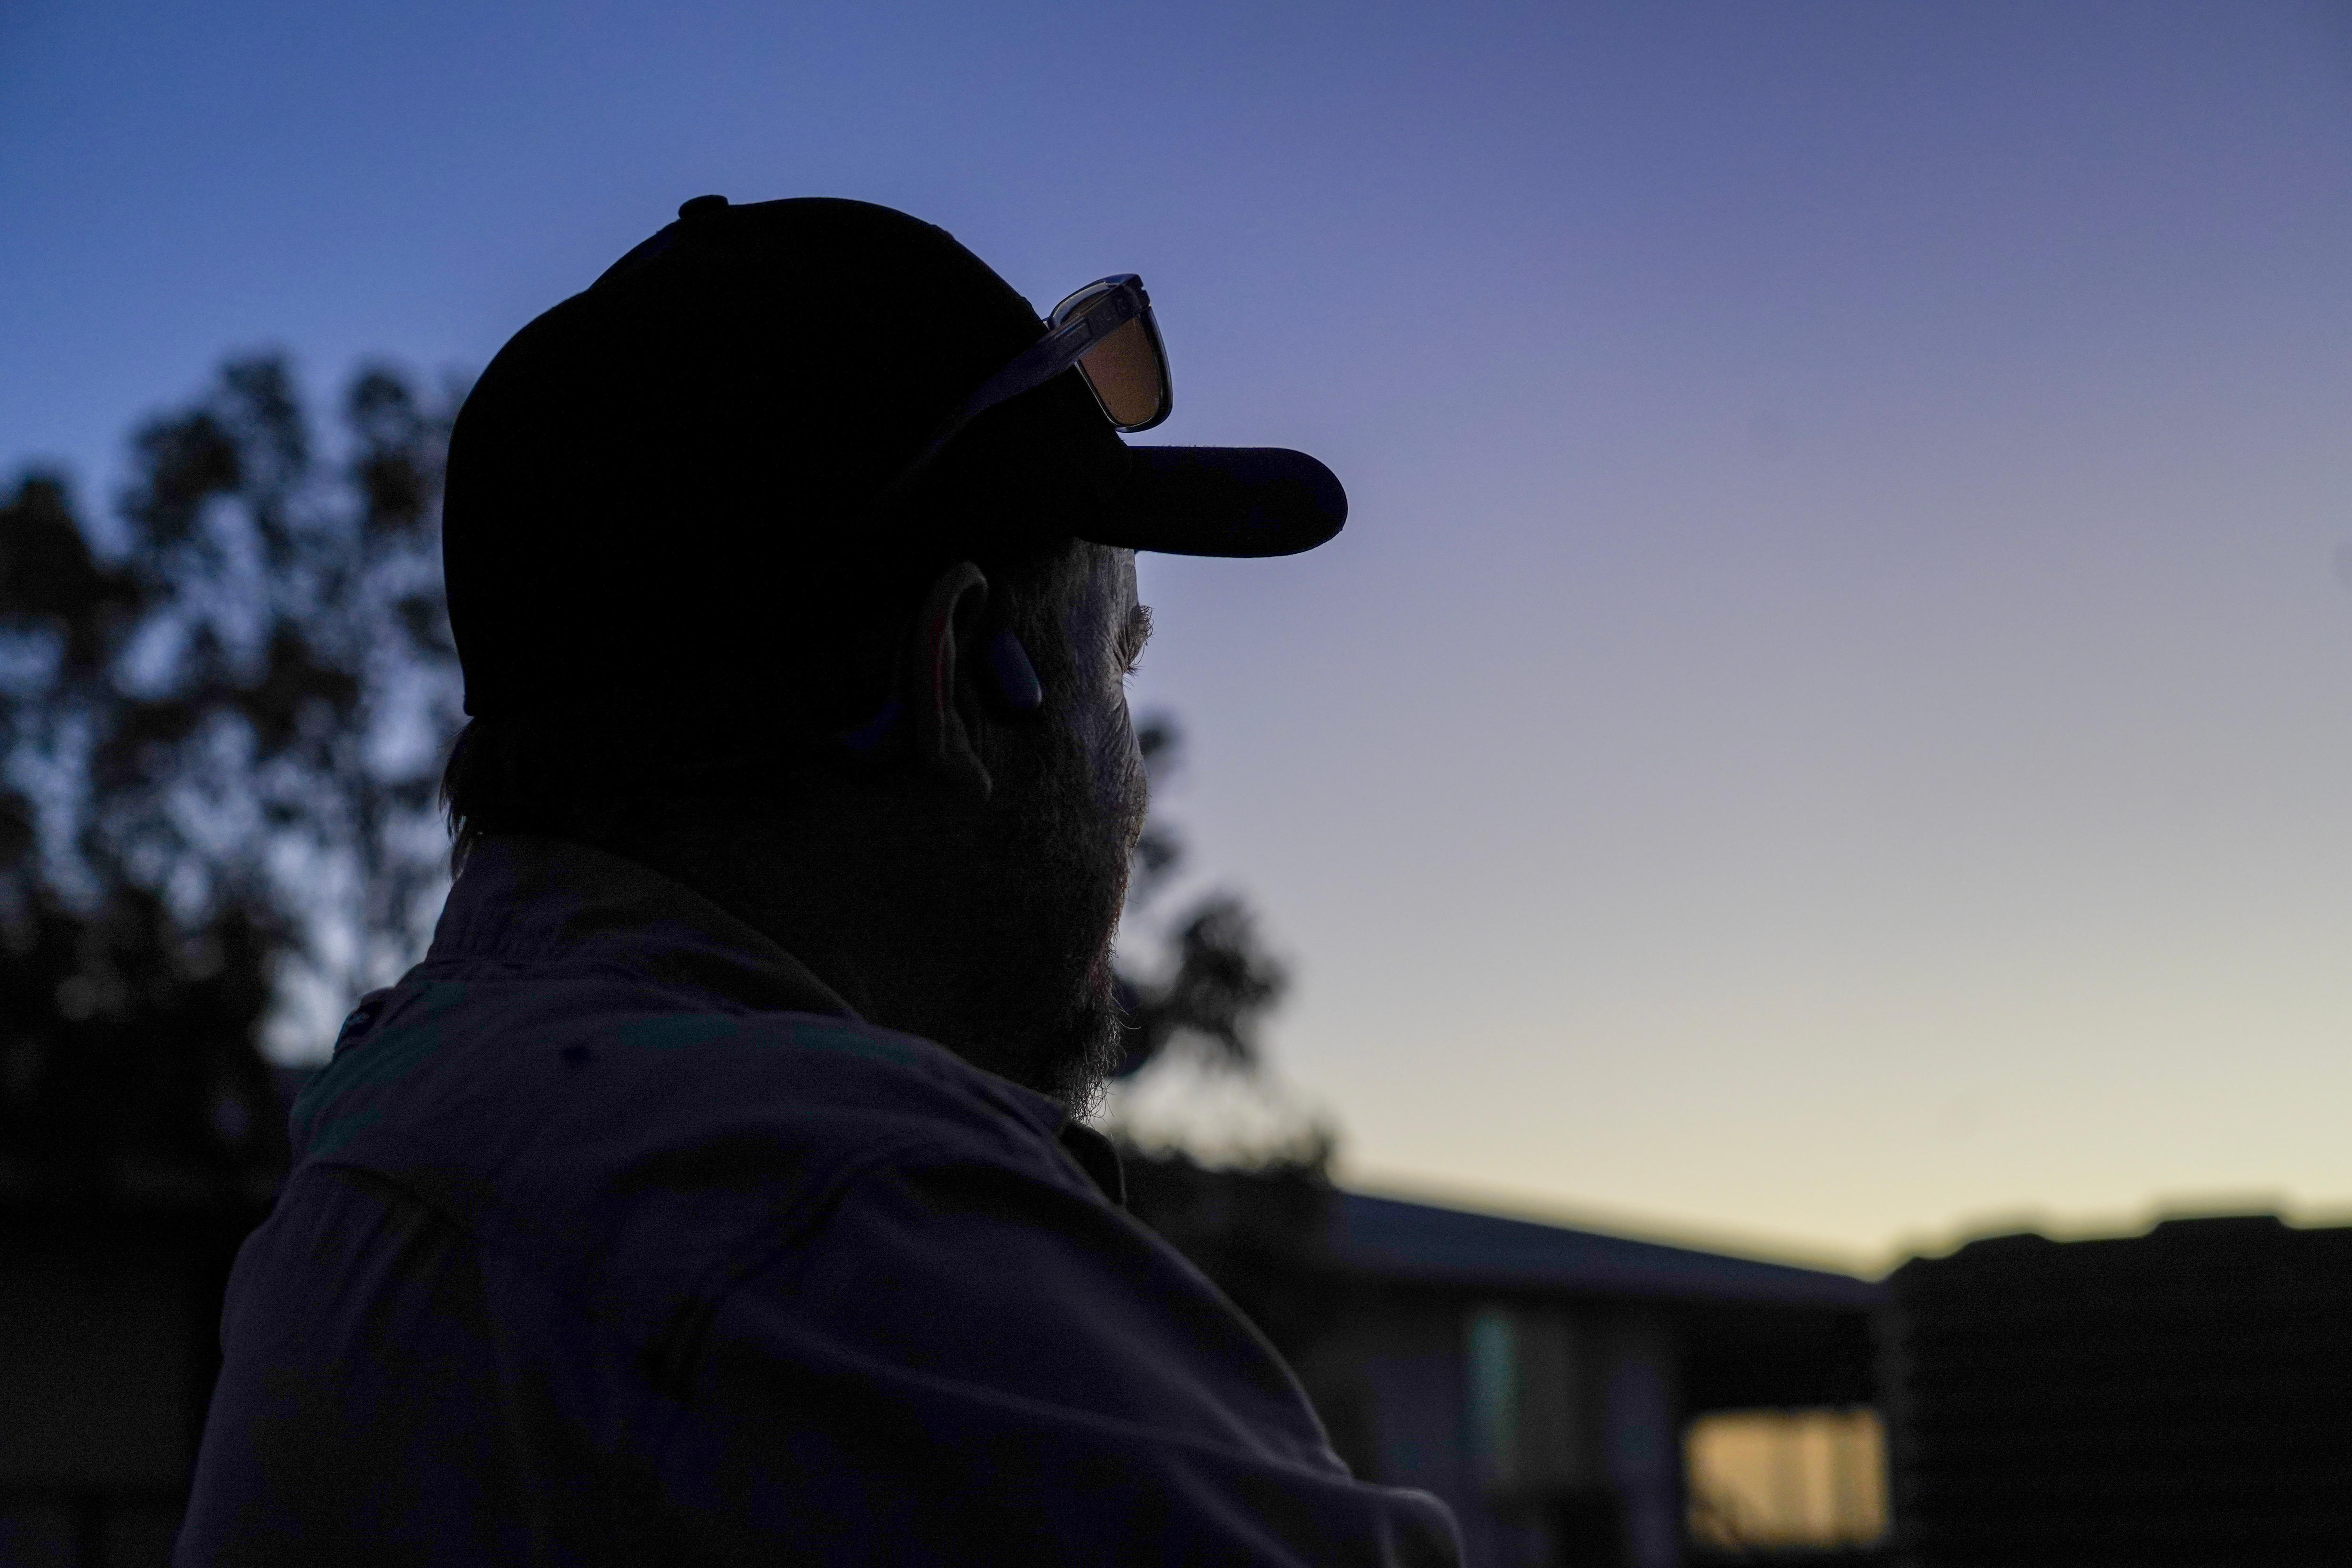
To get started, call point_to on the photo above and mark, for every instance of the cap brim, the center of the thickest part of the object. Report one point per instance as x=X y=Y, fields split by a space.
x=1223 y=500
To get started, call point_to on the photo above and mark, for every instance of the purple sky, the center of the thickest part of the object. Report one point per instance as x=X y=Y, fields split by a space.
x=1831 y=723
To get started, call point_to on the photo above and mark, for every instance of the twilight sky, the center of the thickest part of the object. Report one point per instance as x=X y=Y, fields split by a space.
x=1831 y=724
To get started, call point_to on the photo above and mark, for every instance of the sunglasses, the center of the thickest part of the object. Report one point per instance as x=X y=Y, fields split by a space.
x=1105 y=330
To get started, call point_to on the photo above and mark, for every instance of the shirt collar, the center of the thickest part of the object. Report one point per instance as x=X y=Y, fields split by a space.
x=550 y=903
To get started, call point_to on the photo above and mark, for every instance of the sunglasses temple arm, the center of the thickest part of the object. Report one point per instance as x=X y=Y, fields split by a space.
x=1049 y=357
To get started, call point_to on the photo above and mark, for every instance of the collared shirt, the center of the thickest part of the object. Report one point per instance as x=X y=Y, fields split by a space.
x=615 y=1236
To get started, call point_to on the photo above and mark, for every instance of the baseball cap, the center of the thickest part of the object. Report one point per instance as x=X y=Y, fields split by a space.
x=662 y=492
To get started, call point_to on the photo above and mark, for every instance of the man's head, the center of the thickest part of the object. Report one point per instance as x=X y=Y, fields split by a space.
x=789 y=558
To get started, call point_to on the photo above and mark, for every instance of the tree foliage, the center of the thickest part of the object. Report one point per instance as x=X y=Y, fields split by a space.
x=1195 y=1085
x=1216 y=982
x=220 y=726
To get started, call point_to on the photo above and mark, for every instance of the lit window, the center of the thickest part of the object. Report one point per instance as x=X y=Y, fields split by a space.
x=1787 y=1478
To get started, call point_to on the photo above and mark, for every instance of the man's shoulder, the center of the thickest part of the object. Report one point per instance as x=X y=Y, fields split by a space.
x=595 y=1111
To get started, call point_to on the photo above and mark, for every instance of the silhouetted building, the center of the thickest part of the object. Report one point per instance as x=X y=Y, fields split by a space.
x=1547 y=1382
x=2179 y=1397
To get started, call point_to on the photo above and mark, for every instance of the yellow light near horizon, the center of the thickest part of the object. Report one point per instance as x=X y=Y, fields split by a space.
x=1787 y=1478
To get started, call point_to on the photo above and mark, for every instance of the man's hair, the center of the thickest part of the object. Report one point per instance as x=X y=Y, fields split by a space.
x=580 y=773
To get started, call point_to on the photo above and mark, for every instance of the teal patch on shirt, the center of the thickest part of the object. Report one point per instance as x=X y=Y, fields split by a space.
x=858 y=1043
x=326 y=1118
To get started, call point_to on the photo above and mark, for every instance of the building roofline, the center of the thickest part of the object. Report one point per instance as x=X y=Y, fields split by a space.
x=1392 y=1238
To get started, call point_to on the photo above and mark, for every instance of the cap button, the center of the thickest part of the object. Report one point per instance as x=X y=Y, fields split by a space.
x=701 y=206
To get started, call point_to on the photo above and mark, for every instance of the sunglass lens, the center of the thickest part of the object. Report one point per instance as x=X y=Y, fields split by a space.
x=1125 y=371
x=1128 y=370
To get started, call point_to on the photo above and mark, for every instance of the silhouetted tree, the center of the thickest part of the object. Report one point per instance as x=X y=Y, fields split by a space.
x=1196 y=999
x=1217 y=981
x=1253 y=1214
x=219 y=741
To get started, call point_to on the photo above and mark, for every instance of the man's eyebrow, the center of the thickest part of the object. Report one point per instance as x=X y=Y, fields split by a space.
x=1134 y=634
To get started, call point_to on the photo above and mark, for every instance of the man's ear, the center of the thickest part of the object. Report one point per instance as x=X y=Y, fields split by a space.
x=944 y=694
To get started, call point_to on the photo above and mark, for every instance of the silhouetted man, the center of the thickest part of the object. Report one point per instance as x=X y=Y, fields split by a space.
x=711 y=1192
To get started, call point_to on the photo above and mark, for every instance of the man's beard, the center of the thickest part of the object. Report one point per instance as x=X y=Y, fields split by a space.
x=1046 y=1006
